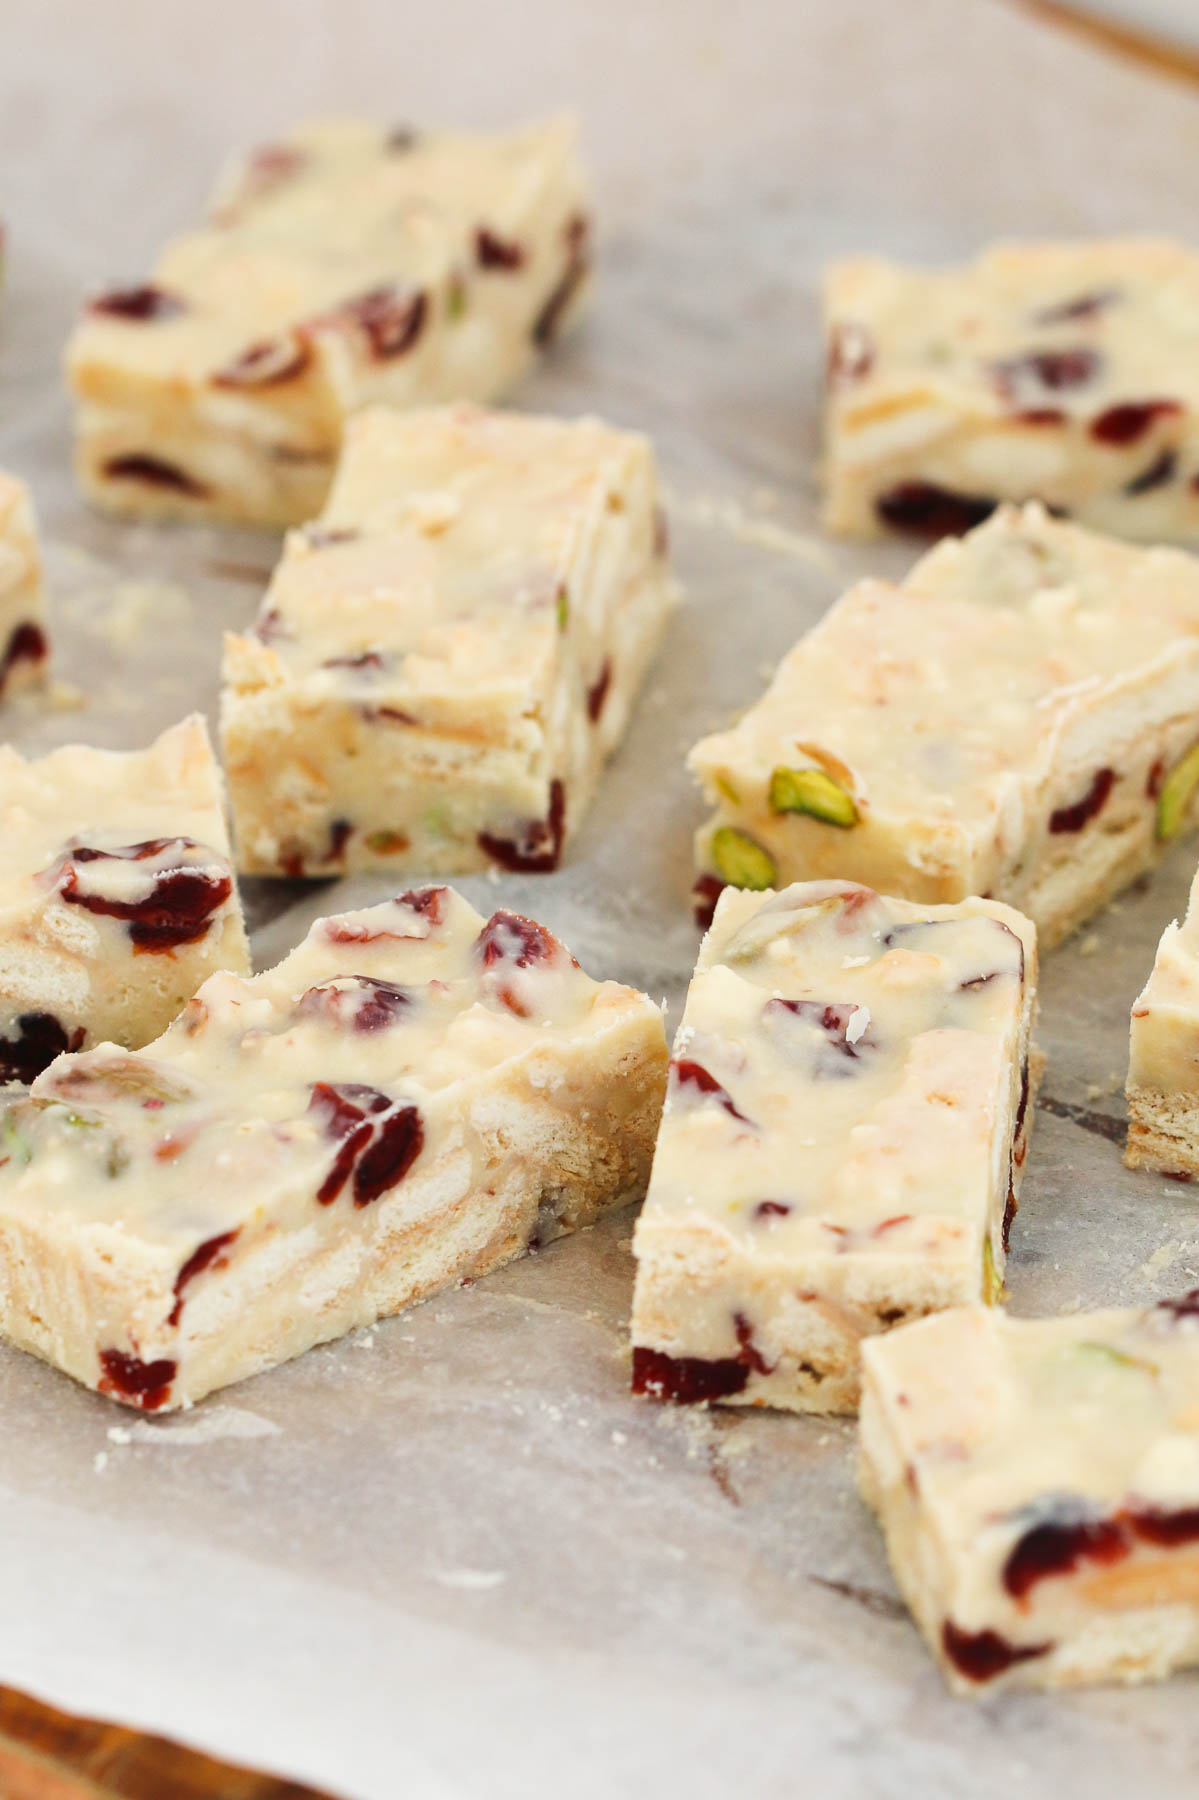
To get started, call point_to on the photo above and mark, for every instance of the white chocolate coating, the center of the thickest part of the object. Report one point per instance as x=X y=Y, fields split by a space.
x=1038 y=1484
x=1004 y=720
x=1163 y=1061
x=843 y=1142
x=23 y=648
x=1063 y=372
x=447 y=656
x=410 y=1098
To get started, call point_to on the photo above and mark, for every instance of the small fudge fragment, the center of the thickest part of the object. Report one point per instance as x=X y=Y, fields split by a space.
x=1038 y=1485
x=844 y=1137
x=445 y=659
x=1163 y=1060
x=1019 y=717
x=23 y=647
x=117 y=895
x=411 y=1098
x=350 y=264
x=1055 y=371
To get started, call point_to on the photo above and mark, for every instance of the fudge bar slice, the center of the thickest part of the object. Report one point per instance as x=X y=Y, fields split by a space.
x=1062 y=372
x=444 y=660
x=349 y=264
x=1163 y=1060
x=1038 y=1485
x=23 y=647
x=1017 y=718
x=410 y=1099
x=843 y=1142
x=117 y=895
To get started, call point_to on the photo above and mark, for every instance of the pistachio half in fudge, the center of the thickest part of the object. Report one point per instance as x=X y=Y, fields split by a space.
x=1017 y=718
x=445 y=659
x=335 y=270
x=1052 y=371
x=117 y=894
x=411 y=1098
x=843 y=1142
x=1038 y=1485
x=24 y=649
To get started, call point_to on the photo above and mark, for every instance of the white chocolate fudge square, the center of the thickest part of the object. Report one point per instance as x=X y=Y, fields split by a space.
x=117 y=895
x=347 y=265
x=1063 y=372
x=1038 y=1485
x=411 y=1098
x=1163 y=1060
x=446 y=658
x=843 y=1142
x=1016 y=718
x=23 y=647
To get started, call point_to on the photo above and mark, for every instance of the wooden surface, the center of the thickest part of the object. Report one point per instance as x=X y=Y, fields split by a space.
x=49 y=1755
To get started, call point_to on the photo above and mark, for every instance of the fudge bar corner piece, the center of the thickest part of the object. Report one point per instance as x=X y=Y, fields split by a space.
x=118 y=893
x=1037 y=1484
x=24 y=651
x=446 y=658
x=1053 y=371
x=412 y=1098
x=1162 y=1090
x=843 y=1142
x=351 y=264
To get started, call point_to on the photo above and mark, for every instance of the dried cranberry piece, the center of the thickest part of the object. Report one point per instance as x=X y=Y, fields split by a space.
x=204 y=1256
x=851 y=353
x=341 y=1111
x=390 y=318
x=1184 y=1306
x=269 y=164
x=40 y=1038
x=1040 y=415
x=771 y=1209
x=355 y=1003
x=833 y=1050
x=26 y=643
x=578 y=261
x=140 y=305
x=509 y=937
x=1130 y=419
x=319 y=537
x=144 y=1384
x=1160 y=471
x=932 y=511
x=688 y=1073
x=430 y=902
x=1164 y=1526
x=982 y=1655
x=1153 y=782
x=1054 y=369
x=704 y=895
x=154 y=471
x=495 y=252
x=268 y=363
x=690 y=1380
x=179 y=907
x=386 y=1161
x=540 y=849
x=292 y=858
x=661 y=532
x=597 y=693
x=365 y=659
x=1085 y=306
x=1073 y=818
x=750 y=1354
x=1056 y=1548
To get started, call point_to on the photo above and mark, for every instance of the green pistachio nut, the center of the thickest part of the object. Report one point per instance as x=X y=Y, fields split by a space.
x=563 y=605
x=740 y=860
x=813 y=792
x=993 y=1288
x=1175 y=796
x=1092 y=1351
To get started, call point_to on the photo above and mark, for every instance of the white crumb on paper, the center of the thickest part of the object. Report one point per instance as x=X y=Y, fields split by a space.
x=100 y=1461
x=470 y=1581
x=619 y=1438
x=1094 y=1091
x=212 y=1425
x=1089 y=944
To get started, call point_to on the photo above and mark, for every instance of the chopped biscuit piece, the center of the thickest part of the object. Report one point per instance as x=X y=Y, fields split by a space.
x=446 y=658
x=1016 y=718
x=348 y=264
x=843 y=1142
x=410 y=1099
x=1063 y=372
x=1038 y=1485
x=117 y=894
x=23 y=647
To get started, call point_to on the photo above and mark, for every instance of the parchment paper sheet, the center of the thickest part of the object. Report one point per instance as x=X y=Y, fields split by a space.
x=451 y=1557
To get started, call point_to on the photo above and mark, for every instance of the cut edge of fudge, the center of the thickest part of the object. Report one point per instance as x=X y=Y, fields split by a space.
x=989 y=1606
x=365 y=1201
x=1162 y=1089
x=784 y=1343
x=24 y=648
